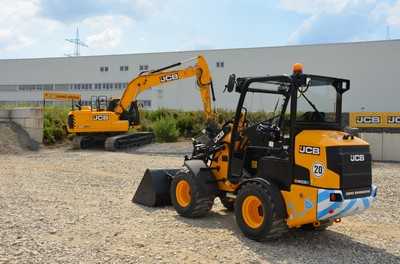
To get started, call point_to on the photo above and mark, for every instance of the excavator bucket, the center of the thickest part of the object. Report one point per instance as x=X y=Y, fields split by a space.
x=153 y=190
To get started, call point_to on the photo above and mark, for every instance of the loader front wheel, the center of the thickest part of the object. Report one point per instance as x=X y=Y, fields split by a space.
x=188 y=197
x=256 y=214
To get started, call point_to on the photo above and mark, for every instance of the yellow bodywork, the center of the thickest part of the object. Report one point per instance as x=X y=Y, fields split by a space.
x=321 y=139
x=301 y=201
x=88 y=121
x=221 y=174
x=301 y=205
x=92 y=122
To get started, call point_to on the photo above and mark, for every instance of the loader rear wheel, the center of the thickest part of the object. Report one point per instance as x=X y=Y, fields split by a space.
x=256 y=214
x=188 y=198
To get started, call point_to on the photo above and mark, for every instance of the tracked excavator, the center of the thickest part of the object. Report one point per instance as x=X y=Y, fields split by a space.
x=299 y=168
x=109 y=124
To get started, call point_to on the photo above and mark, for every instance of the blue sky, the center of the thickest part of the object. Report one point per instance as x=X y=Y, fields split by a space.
x=37 y=28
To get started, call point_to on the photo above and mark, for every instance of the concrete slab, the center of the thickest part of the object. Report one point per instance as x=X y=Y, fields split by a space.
x=375 y=140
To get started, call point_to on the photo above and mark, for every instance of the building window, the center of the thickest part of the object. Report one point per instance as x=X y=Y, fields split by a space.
x=124 y=68
x=104 y=68
x=220 y=64
x=143 y=67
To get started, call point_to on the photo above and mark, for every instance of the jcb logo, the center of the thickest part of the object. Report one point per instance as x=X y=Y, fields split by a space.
x=169 y=77
x=100 y=118
x=309 y=150
x=368 y=120
x=219 y=136
x=393 y=120
x=357 y=158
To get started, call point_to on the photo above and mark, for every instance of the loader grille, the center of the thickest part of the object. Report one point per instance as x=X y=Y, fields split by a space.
x=352 y=163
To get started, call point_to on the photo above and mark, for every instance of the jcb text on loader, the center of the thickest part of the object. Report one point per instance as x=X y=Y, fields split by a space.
x=297 y=169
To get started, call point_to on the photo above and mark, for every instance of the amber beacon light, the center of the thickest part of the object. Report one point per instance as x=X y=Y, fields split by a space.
x=297 y=68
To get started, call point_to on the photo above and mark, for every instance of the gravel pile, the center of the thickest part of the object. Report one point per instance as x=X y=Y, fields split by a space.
x=9 y=142
x=62 y=206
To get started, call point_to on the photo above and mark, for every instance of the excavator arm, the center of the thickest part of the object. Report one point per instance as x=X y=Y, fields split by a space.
x=160 y=76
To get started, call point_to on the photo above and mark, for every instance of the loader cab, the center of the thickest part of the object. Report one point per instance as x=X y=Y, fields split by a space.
x=307 y=102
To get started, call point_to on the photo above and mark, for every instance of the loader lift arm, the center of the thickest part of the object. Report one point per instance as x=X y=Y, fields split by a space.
x=147 y=80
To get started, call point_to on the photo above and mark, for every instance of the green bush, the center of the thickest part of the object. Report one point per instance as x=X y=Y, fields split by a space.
x=54 y=129
x=185 y=124
x=165 y=130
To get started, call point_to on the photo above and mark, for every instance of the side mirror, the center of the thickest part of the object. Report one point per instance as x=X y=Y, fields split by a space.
x=231 y=83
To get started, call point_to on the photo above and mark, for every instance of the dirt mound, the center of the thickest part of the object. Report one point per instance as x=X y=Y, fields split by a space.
x=10 y=142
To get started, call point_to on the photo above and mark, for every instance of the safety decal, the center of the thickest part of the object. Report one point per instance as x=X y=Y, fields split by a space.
x=327 y=209
x=318 y=169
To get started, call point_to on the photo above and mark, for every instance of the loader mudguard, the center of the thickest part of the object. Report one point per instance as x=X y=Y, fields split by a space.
x=203 y=175
x=275 y=192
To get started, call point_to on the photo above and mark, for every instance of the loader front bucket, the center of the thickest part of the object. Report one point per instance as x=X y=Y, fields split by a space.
x=153 y=190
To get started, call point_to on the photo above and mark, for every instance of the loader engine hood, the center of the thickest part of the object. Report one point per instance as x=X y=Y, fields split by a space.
x=332 y=160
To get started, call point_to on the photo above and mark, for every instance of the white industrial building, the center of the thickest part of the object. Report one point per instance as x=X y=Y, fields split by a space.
x=372 y=67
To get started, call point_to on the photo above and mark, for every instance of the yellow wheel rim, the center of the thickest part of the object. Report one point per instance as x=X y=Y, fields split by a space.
x=183 y=193
x=252 y=211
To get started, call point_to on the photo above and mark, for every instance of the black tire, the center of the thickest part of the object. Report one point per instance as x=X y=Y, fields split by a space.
x=272 y=226
x=228 y=203
x=201 y=196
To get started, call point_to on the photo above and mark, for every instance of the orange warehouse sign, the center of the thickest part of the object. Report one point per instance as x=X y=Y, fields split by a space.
x=61 y=96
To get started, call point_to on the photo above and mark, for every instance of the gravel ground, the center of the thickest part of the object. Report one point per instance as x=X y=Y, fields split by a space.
x=177 y=148
x=63 y=206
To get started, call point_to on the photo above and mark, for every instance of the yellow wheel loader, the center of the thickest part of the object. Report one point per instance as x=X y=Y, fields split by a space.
x=109 y=123
x=297 y=169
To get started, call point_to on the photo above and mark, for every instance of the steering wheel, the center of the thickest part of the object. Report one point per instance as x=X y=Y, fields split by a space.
x=313 y=116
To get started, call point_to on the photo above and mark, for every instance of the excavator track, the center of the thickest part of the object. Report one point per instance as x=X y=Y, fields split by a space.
x=81 y=142
x=128 y=140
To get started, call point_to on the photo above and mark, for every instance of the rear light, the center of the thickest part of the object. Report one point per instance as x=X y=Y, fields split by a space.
x=335 y=197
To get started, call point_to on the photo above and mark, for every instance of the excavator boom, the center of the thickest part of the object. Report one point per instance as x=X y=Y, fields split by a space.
x=158 y=77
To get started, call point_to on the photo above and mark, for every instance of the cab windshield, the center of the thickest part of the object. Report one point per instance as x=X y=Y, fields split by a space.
x=316 y=102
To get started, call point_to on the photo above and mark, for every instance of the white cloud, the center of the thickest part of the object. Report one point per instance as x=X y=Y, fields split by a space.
x=393 y=18
x=20 y=26
x=106 y=32
x=29 y=23
x=321 y=6
x=342 y=20
x=304 y=28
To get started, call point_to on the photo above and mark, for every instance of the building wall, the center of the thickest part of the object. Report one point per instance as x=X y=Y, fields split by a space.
x=371 y=66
